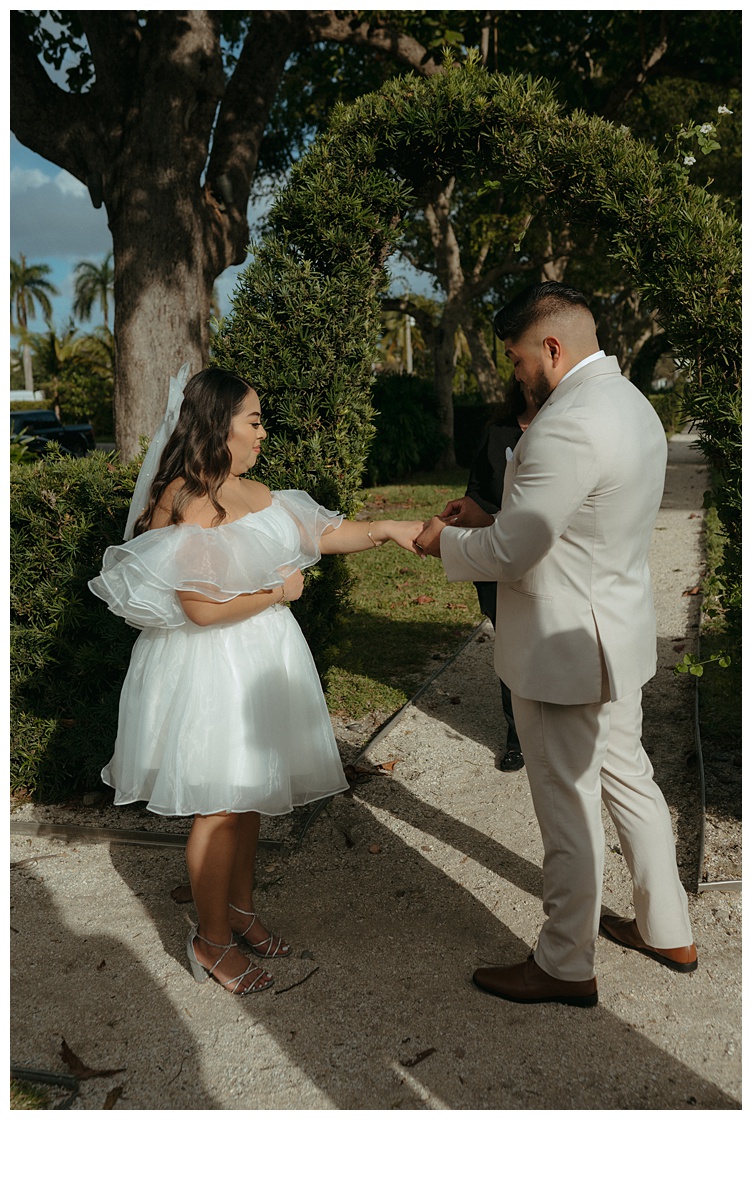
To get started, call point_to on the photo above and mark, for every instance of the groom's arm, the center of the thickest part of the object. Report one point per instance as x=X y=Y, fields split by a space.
x=552 y=481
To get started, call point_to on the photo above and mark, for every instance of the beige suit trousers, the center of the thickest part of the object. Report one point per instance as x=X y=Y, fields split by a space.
x=577 y=755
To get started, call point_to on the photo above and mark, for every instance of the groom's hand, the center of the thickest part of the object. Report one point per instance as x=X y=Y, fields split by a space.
x=427 y=542
x=466 y=514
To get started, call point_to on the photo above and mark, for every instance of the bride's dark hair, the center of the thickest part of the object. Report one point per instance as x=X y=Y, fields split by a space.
x=196 y=451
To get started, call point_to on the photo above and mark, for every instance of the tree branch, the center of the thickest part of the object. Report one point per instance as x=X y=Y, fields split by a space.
x=637 y=75
x=244 y=112
x=114 y=39
x=336 y=27
x=52 y=122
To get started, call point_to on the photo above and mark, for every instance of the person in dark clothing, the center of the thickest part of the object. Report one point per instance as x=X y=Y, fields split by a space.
x=485 y=487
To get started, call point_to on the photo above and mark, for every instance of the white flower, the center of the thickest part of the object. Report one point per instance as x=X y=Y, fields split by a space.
x=624 y=129
x=707 y=128
x=689 y=161
x=725 y=112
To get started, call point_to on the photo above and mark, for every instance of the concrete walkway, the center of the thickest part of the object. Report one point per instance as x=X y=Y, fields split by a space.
x=401 y=888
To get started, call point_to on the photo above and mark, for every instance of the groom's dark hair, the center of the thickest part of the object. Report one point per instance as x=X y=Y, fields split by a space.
x=535 y=302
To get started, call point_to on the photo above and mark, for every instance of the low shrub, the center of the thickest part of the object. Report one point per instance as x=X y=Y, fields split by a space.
x=69 y=654
x=408 y=436
x=669 y=406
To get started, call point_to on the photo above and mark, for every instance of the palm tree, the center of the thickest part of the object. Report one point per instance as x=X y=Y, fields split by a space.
x=56 y=353
x=93 y=284
x=28 y=287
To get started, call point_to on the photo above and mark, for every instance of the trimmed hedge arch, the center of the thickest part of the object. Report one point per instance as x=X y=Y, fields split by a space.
x=306 y=313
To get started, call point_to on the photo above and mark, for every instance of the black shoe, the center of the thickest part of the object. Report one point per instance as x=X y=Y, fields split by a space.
x=511 y=760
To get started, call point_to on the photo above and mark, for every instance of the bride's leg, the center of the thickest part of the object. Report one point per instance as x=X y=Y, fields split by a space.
x=241 y=890
x=244 y=865
x=210 y=855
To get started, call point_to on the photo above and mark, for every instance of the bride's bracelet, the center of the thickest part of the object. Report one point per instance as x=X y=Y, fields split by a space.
x=368 y=531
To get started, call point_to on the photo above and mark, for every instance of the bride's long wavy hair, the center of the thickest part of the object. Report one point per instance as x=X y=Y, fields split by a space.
x=197 y=451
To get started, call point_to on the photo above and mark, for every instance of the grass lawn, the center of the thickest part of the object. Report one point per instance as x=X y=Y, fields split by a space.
x=404 y=617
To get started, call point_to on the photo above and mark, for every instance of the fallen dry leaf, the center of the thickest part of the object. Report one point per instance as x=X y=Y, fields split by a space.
x=413 y=1062
x=374 y=849
x=182 y=894
x=71 y=1059
x=112 y=1097
x=389 y=766
x=695 y=591
x=424 y=600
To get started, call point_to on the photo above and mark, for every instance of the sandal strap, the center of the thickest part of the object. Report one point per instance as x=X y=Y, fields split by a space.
x=248 y=928
x=266 y=946
x=218 y=946
x=238 y=979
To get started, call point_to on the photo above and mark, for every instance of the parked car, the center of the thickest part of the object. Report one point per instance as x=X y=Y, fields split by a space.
x=39 y=427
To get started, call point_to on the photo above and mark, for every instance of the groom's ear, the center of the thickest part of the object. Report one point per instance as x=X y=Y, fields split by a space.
x=553 y=351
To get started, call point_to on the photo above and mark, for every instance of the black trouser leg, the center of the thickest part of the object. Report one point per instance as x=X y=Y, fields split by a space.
x=487 y=603
x=513 y=742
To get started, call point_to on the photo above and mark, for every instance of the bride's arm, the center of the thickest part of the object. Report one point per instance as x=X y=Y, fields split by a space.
x=351 y=536
x=203 y=611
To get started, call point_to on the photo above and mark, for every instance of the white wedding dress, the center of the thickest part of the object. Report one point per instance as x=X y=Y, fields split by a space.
x=227 y=717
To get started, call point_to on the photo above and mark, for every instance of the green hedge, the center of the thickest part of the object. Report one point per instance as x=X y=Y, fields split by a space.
x=408 y=436
x=69 y=654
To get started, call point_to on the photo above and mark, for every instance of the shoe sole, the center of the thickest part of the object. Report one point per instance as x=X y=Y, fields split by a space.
x=682 y=968
x=573 y=1001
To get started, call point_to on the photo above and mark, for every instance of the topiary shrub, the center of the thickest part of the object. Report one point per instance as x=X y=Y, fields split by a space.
x=69 y=654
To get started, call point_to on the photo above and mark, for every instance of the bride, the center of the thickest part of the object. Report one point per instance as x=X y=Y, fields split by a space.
x=221 y=715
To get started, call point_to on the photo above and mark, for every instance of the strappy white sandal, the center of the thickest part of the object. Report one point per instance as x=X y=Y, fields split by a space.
x=266 y=948
x=262 y=979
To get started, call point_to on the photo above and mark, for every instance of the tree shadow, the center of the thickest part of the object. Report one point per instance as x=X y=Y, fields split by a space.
x=93 y=993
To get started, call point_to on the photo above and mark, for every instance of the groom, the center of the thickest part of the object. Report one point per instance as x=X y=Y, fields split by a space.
x=577 y=640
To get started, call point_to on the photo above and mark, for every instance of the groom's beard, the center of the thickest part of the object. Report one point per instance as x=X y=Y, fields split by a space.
x=540 y=389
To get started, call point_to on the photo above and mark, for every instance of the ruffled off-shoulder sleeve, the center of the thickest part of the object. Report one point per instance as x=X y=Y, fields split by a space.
x=139 y=580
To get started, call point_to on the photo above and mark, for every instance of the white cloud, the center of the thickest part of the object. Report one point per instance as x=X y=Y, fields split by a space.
x=24 y=179
x=69 y=185
x=21 y=179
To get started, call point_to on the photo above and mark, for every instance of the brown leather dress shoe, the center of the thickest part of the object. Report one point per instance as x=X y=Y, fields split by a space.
x=625 y=933
x=527 y=983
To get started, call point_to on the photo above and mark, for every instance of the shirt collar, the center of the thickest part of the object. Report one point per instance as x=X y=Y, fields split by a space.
x=582 y=363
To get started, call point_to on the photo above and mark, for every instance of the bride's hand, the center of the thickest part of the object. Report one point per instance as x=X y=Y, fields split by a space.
x=292 y=588
x=404 y=533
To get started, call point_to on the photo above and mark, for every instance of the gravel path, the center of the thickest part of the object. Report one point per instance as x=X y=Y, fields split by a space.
x=401 y=888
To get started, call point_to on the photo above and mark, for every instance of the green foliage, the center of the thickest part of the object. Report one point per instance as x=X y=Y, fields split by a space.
x=695 y=666
x=670 y=408
x=408 y=436
x=69 y=655
x=84 y=397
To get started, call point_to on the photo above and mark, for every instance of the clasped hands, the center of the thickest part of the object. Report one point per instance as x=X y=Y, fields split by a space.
x=463 y=513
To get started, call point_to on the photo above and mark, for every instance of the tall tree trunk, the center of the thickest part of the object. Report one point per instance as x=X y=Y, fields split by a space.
x=28 y=373
x=444 y=356
x=490 y=386
x=163 y=289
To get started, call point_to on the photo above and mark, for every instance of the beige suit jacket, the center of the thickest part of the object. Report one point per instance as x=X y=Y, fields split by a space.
x=575 y=617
